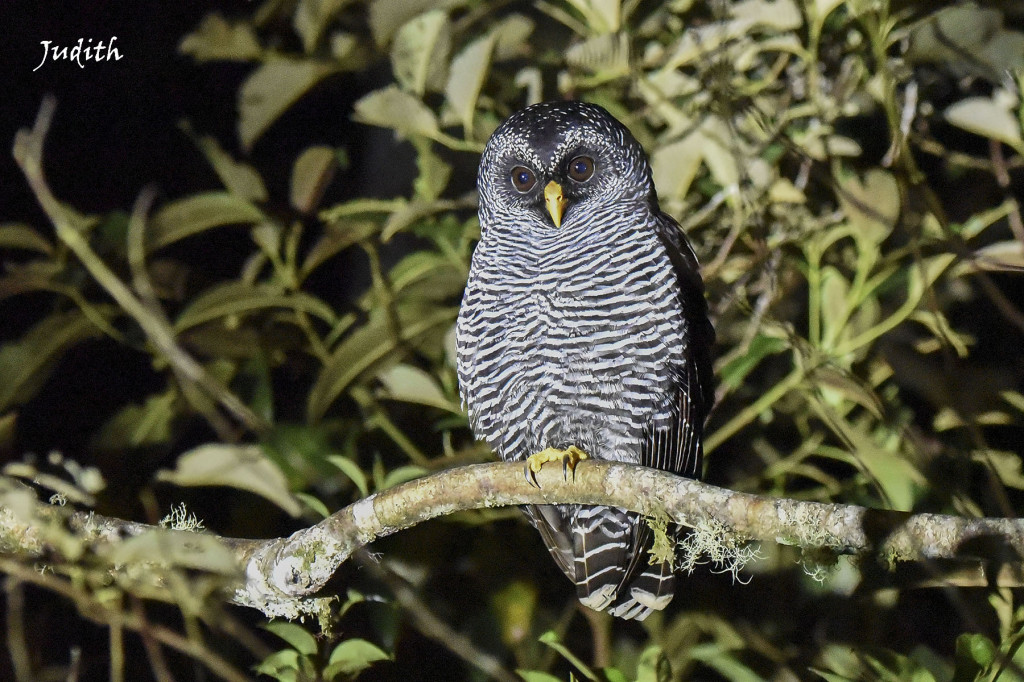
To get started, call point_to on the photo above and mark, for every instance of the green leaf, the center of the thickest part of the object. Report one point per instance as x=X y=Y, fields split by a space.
x=362 y=207
x=873 y=206
x=270 y=90
x=1005 y=465
x=313 y=171
x=823 y=8
x=537 y=676
x=281 y=665
x=675 y=166
x=831 y=379
x=653 y=666
x=216 y=39
x=974 y=653
x=315 y=504
x=551 y=639
x=335 y=237
x=353 y=656
x=351 y=599
x=24 y=237
x=1004 y=256
x=313 y=17
x=781 y=15
x=429 y=273
x=352 y=470
x=760 y=347
x=135 y=426
x=513 y=33
x=244 y=467
x=387 y=16
x=254 y=375
x=419 y=54
x=971 y=38
x=981 y=220
x=834 y=304
x=195 y=551
x=718 y=156
x=466 y=77
x=604 y=56
x=433 y=173
x=239 y=178
x=413 y=385
x=238 y=298
x=601 y=16
x=34 y=275
x=298 y=637
x=988 y=117
x=403 y=474
x=515 y=606
x=366 y=347
x=842 y=664
x=27 y=363
x=412 y=215
x=899 y=480
x=1014 y=398
x=398 y=110
x=7 y=430
x=197 y=213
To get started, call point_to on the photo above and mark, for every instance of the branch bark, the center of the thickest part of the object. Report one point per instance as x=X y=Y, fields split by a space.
x=282 y=577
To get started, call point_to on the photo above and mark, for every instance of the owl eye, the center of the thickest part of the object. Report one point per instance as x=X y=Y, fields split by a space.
x=523 y=179
x=581 y=168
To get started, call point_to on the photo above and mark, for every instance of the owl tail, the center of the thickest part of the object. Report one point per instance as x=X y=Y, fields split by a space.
x=604 y=551
x=650 y=590
x=612 y=569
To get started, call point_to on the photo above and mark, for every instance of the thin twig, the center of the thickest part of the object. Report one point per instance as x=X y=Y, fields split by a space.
x=116 y=651
x=601 y=635
x=98 y=612
x=157 y=662
x=17 y=644
x=1002 y=176
x=430 y=625
x=28 y=152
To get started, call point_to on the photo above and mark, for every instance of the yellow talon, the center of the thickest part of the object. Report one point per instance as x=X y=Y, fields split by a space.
x=569 y=458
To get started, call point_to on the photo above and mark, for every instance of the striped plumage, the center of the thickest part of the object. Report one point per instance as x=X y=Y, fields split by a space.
x=593 y=333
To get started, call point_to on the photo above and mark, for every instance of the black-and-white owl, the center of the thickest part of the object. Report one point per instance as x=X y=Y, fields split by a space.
x=584 y=325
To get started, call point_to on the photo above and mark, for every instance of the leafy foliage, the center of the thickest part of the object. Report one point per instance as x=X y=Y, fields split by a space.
x=846 y=171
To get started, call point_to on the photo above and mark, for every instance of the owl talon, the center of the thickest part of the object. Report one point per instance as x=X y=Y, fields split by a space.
x=569 y=458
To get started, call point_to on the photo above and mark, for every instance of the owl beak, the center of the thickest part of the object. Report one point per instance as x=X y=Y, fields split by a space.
x=555 y=202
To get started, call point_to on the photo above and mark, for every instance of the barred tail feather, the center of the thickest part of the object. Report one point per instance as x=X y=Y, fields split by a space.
x=612 y=572
x=602 y=547
x=651 y=590
x=604 y=551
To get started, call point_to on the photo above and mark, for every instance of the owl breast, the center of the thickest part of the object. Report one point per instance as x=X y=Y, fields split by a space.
x=570 y=343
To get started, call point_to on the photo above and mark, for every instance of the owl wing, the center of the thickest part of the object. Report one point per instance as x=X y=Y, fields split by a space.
x=678 y=448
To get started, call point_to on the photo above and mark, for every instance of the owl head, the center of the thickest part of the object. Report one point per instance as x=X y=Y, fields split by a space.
x=555 y=165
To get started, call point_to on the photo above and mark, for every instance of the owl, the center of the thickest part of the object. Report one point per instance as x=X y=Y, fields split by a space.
x=584 y=332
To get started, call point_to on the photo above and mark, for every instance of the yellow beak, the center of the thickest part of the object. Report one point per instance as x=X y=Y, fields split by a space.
x=555 y=202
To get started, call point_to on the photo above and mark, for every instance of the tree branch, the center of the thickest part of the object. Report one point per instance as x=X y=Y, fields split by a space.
x=282 y=576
